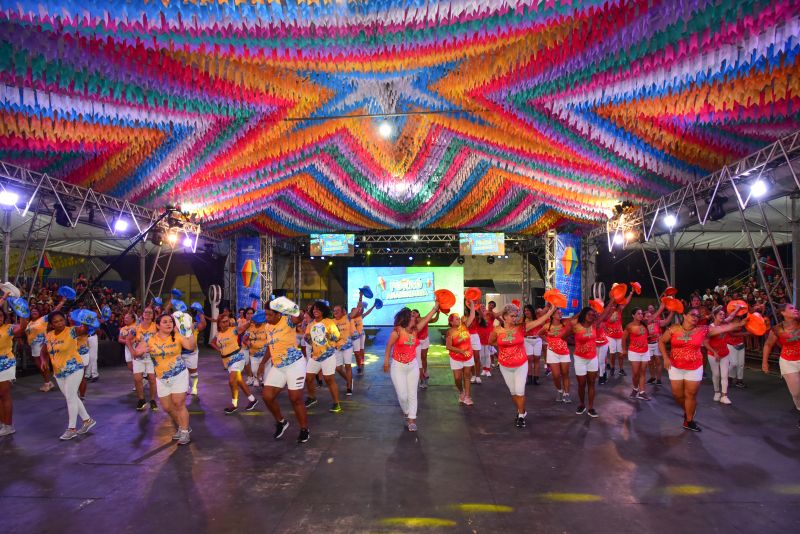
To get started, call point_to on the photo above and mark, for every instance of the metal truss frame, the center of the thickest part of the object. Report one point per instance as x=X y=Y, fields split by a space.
x=266 y=267
x=297 y=273
x=551 y=241
x=159 y=271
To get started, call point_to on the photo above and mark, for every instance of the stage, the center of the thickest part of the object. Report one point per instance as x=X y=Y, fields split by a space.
x=634 y=469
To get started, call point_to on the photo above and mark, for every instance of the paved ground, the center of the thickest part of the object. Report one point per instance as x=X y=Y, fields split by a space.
x=467 y=470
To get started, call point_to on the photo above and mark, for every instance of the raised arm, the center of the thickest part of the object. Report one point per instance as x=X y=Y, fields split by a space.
x=721 y=329
x=668 y=320
x=541 y=320
x=470 y=317
x=368 y=311
x=425 y=320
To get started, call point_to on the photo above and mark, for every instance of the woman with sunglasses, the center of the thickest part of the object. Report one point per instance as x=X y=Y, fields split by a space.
x=684 y=360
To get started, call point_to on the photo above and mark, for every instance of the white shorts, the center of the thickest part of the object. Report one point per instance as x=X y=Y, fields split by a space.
x=638 y=356
x=694 y=375
x=344 y=357
x=246 y=354
x=143 y=366
x=293 y=376
x=425 y=343
x=128 y=357
x=552 y=357
x=237 y=366
x=475 y=341
x=614 y=345
x=515 y=378
x=190 y=360
x=327 y=366
x=533 y=346
x=654 y=350
x=788 y=366
x=9 y=374
x=455 y=365
x=359 y=343
x=176 y=384
x=584 y=365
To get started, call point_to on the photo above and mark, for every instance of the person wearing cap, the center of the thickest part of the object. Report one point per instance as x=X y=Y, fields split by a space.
x=8 y=365
x=357 y=315
x=288 y=366
x=255 y=341
x=322 y=334
x=344 y=346
x=227 y=343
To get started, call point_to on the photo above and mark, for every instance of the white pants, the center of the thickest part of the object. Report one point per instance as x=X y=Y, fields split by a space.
x=486 y=356
x=90 y=370
x=533 y=346
x=719 y=371
x=75 y=408
x=142 y=366
x=692 y=375
x=654 y=350
x=602 y=354
x=736 y=358
x=292 y=376
x=405 y=377
x=475 y=341
x=634 y=356
x=344 y=357
x=358 y=342
x=515 y=378
x=614 y=345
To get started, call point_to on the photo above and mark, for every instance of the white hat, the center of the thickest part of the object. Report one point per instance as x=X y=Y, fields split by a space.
x=11 y=289
x=284 y=306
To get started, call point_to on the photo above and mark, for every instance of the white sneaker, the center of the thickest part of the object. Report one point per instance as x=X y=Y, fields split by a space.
x=87 y=426
x=477 y=380
x=717 y=396
x=68 y=435
x=725 y=400
x=472 y=379
x=6 y=430
x=184 y=438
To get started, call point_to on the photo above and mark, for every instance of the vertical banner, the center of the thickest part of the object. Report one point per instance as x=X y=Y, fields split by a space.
x=568 y=271
x=248 y=281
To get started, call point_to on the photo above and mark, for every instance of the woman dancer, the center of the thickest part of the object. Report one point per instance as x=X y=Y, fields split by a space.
x=475 y=340
x=422 y=349
x=358 y=314
x=718 y=355
x=634 y=347
x=460 y=349
x=614 y=333
x=344 y=346
x=322 y=335
x=655 y=325
x=510 y=342
x=555 y=332
x=172 y=377
x=533 y=345
x=61 y=346
x=787 y=333
x=8 y=368
x=685 y=360
x=587 y=365
x=401 y=350
x=141 y=366
x=255 y=341
x=35 y=331
x=227 y=343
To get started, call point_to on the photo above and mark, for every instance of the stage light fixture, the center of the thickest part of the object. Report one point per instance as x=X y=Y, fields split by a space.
x=157 y=237
x=369 y=253
x=670 y=220
x=311 y=258
x=62 y=219
x=490 y=260
x=386 y=129
x=172 y=238
x=187 y=242
x=619 y=239
x=120 y=225
x=415 y=237
x=460 y=260
x=506 y=256
x=330 y=263
x=717 y=209
x=322 y=258
x=411 y=258
x=759 y=188
x=8 y=198
x=428 y=262
x=630 y=235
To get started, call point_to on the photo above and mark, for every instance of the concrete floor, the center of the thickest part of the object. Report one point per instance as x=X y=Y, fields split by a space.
x=467 y=470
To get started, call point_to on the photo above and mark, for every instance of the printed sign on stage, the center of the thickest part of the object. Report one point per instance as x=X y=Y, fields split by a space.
x=405 y=288
x=332 y=244
x=568 y=272
x=248 y=253
x=482 y=244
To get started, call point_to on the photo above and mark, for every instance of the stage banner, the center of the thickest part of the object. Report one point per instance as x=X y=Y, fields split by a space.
x=568 y=271
x=248 y=281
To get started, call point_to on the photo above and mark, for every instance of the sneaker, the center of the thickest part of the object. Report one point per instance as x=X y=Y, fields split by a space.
x=87 y=426
x=658 y=381
x=183 y=437
x=468 y=401
x=643 y=396
x=231 y=409
x=717 y=396
x=7 y=430
x=536 y=381
x=691 y=425
x=303 y=436
x=488 y=374
x=613 y=372
x=740 y=384
x=603 y=378
x=633 y=394
x=310 y=401
x=280 y=428
x=251 y=405
x=651 y=380
x=140 y=405
x=581 y=410
x=68 y=435
x=422 y=384
x=622 y=372
x=153 y=406
x=559 y=396
x=517 y=422
x=529 y=381
x=593 y=413
x=477 y=380
x=350 y=392
x=412 y=427
x=567 y=400
x=336 y=408
x=547 y=371
x=521 y=422
x=725 y=400
x=461 y=397
x=472 y=380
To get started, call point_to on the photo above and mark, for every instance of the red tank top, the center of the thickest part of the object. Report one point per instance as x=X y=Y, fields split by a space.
x=614 y=328
x=685 y=345
x=601 y=335
x=423 y=333
x=511 y=346
x=483 y=333
x=533 y=332
x=555 y=343
x=790 y=344
x=654 y=331
x=473 y=328
x=585 y=341
x=405 y=348
x=720 y=345
x=637 y=340
x=734 y=339
x=460 y=340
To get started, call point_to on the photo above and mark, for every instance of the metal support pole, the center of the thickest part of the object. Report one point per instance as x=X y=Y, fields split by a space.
x=550 y=259
x=142 y=272
x=759 y=267
x=266 y=267
x=297 y=260
x=671 y=259
x=795 y=222
x=6 y=242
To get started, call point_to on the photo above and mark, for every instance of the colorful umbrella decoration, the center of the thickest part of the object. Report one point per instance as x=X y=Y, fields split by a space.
x=249 y=273
x=569 y=261
x=45 y=268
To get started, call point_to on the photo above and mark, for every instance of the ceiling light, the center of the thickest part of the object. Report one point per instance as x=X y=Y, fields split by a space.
x=120 y=225
x=759 y=188
x=670 y=220
x=8 y=198
x=385 y=129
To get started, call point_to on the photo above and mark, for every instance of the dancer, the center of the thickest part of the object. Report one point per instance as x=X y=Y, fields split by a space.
x=510 y=342
x=288 y=366
x=718 y=355
x=458 y=345
x=344 y=346
x=358 y=314
x=533 y=345
x=684 y=362
x=242 y=324
x=787 y=333
x=613 y=329
x=488 y=351
x=635 y=348
x=164 y=348
x=61 y=347
x=602 y=350
x=191 y=357
x=141 y=366
x=557 y=356
x=422 y=349
x=736 y=348
x=402 y=350
x=475 y=339
x=587 y=364
x=255 y=340
x=322 y=335
x=8 y=367
x=35 y=331
x=227 y=343
x=655 y=325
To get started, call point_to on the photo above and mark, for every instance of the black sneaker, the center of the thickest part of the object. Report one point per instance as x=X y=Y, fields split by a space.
x=691 y=425
x=349 y=392
x=303 y=436
x=310 y=401
x=280 y=428
x=140 y=405
x=622 y=372
x=529 y=381
x=633 y=394
x=336 y=408
x=536 y=381
x=643 y=396
x=522 y=423
x=613 y=372
x=593 y=413
x=603 y=378
x=651 y=380
x=231 y=409
x=740 y=384
x=581 y=410
x=153 y=406
x=251 y=405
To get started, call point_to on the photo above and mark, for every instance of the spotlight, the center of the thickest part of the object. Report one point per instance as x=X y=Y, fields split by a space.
x=369 y=253
x=157 y=237
x=717 y=209
x=385 y=129
x=311 y=258
x=411 y=258
x=415 y=237
x=62 y=219
x=506 y=256
x=428 y=262
x=187 y=242
x=330 y=263
x=759 y=188
x=670 y=220
x=322 y=257
x=490 y=260
x=630 y=235
x=8 y=198
x=120 y=225
x=172 y=238
x=619 y=239
x=460 y=260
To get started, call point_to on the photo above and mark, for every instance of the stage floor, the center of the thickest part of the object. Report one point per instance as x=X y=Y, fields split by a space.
x=634 y=469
